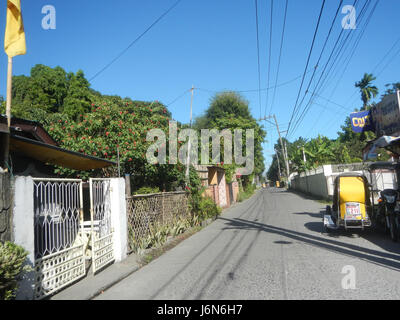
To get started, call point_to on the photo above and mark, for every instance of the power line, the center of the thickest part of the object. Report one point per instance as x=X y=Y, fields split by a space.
x=309 y=104
x=355 y=45
x=134 y=41
x=308 y=61
x=269 y=55
x=350 y=99
x=341 y=47
x=258 y=59
x=319 y=59
x=258 y=90
x=280 y=55
x=180 y=96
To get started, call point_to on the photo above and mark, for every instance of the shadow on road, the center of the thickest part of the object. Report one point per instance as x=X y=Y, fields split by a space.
x=376 y=237
x=370 y=255
x=314 y=215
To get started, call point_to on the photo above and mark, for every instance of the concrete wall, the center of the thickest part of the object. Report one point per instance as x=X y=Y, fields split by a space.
x=317 y=182
x=23 y=231
x=320 y=182
x=119 y=219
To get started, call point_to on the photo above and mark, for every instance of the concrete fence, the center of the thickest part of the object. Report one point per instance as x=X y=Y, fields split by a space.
x=320 y=182
x=316 y=182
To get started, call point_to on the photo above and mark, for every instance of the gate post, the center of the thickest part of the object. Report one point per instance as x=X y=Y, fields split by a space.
x=118 y=218
x=24 y=232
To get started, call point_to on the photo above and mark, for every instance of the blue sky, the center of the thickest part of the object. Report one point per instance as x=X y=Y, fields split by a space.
x=212 y=45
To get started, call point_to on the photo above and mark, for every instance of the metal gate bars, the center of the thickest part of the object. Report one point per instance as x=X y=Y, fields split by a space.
x=59 y=249
x=61 y=240
x=102 y=232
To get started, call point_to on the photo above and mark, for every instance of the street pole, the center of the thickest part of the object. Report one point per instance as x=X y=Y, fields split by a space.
x=6 y=151
x=304 y=156
x=283 y=149
x=279 y=166
x=189 y=143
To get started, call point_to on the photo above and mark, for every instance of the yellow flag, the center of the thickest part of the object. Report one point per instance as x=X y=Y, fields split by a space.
x=14 y=40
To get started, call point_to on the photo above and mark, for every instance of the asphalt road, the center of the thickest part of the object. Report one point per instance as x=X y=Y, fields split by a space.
x=270 y=247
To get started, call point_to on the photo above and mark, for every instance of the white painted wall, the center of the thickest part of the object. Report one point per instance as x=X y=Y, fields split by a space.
x=23 y=231
x=119 y=219
x=320 y=182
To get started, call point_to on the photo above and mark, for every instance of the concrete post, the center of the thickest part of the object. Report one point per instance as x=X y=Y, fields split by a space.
x=119 y=219
x=24 y=232
x=328 y=173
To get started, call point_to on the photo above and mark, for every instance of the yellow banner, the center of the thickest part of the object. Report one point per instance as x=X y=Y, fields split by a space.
x=14 y=40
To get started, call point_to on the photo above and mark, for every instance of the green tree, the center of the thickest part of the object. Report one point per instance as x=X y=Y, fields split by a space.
x=229 y=110
x=78 y=97
x=52 y=90
x=367 y=90
x=391 y=88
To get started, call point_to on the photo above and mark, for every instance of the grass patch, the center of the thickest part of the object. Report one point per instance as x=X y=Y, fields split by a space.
x=153 y=253
x=246 y=193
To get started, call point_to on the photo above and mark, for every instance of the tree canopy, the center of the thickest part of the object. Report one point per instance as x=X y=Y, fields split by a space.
x=229 y=110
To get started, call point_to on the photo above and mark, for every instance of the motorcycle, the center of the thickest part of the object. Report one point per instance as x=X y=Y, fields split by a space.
x=387 y=215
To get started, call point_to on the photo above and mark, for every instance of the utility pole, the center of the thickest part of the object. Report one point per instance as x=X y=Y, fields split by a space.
x=189 y=143
x=286 y=162
x=304 y=156
x=279 y=166
x=284 y=151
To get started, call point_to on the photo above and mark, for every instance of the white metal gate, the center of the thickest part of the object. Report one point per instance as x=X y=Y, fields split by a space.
x=102 y=232
x=59 y=240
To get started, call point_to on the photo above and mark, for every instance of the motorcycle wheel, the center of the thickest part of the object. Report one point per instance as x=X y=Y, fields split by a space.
x=393 y=229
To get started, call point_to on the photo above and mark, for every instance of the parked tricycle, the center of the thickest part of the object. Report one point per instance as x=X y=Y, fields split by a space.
x=351 y=207
x=385 y=197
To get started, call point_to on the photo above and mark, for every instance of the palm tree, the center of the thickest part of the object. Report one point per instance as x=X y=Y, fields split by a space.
x=367 y=90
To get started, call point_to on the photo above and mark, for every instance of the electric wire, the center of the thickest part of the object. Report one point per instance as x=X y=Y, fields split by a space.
x=308 y=61
x=363 y=11
x=269 y=55
x=258 y=59
x=134 y=41
x=320 y=57
x=280 y=56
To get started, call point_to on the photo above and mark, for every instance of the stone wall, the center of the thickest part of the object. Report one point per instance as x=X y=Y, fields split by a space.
x=5 y=207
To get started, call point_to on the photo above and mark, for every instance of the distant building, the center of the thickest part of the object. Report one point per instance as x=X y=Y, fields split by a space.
x=213 y=179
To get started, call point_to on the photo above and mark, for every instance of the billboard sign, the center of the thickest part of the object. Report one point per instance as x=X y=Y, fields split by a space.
x=386 y=116
x=362 y=121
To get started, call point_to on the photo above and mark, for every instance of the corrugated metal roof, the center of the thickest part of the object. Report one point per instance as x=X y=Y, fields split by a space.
x=55 y=155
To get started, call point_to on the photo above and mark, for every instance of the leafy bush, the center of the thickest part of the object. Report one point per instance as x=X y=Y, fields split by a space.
x=207 y=209
x=246 y=192
x=159 y=233
x=12 y=258
x=147 y=190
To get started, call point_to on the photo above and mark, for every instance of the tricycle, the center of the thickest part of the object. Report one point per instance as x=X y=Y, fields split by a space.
x=351 y=207
x=385 y=197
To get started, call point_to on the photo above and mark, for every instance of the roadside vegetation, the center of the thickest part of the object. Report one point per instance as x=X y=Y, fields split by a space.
x=346 y=148
x=246 y=192
x=114 y=128
x=12 y=258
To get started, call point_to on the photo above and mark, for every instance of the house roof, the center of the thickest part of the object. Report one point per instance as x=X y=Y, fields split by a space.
x=29 y=129
x=47 y=153
x=30 y=139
